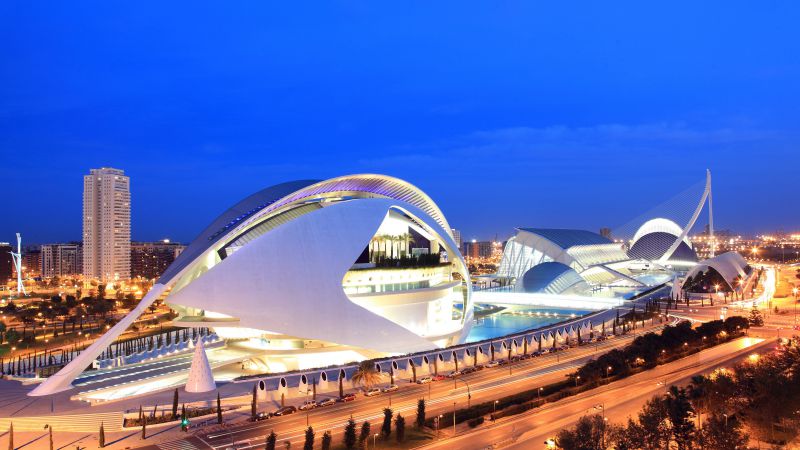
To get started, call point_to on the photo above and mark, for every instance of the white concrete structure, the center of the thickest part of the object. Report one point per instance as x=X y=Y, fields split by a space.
x=357 y=266
x=200 y=377
x=731 y=265
x=556 y=261
x=106 y=225
x=656 y=237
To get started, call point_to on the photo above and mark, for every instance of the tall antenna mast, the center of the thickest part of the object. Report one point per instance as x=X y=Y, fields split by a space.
x=17 y=257
x=711 y=217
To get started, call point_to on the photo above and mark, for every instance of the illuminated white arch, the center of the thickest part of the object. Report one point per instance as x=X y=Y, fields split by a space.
x=685 y=232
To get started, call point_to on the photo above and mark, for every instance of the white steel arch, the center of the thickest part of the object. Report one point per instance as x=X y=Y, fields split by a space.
x=706 y=196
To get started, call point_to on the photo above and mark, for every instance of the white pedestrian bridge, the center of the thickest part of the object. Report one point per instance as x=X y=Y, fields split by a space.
x=551 y=300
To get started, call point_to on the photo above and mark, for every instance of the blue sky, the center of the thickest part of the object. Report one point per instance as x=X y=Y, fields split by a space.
x=506 y=113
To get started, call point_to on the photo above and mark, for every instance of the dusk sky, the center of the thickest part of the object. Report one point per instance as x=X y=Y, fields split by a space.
x=506 y=113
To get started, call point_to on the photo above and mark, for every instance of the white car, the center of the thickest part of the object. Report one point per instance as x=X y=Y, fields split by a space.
x=372 y=392
x=391 y=388
x=491 y=364
x=424 y=380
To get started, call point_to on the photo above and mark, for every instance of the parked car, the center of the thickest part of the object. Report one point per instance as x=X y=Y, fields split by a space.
x=502 y=362
x=285 y=411
x=467 y=370
x=347 y=398
x=491 y=364
x=263 y=416
x=311 y=404
x=372 y=392
x=391 y=388
x=424 y=380
x=439 y=377
x=454 y=374
x=326 y=402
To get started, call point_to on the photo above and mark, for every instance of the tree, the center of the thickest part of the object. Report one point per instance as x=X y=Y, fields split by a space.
x=350 y=434
x=272 y=438
x=102 y=436
x=175 y=403
x=50 y=431
x=309 y=442
x=144 y=427
x=586 y=435
x=756 y=319
x=720 y=433
x=420 y=413
x=11 y=436
x=366 y=374
x=219 y=410
x=254 y=404
x=400 y=428
x=341 y=383
x=386 y=428
x=679 y=411
x=364 y=435
x=326 y=440
x=183 y=418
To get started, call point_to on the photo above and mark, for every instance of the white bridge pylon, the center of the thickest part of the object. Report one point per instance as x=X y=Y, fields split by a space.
x=17 y=258
x=705 y=197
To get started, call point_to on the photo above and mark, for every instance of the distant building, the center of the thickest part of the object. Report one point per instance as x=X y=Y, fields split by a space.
x=605 y=232
x=457 y=238
x=478 y=249
x=6 y=263
x=106 y=225
x=151 y=259
x=32 y=262
x=61 y=260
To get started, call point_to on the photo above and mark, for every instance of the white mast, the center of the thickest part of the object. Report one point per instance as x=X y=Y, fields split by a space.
x=17 y=257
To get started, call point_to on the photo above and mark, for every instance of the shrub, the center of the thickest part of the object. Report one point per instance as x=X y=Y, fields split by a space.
x=475 y=422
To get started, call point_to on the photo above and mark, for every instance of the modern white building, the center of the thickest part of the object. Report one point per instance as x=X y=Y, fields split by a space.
x=312 y=273
x=106 y=225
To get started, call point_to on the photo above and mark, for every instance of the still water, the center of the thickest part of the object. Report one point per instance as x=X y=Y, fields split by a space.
x=513 y=319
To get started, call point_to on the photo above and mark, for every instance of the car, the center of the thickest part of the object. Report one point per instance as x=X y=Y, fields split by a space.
x=526 y=356
x=391 y=388
x=502 y=362
x=347 y=398
x=491 y=364
x=326 y=402
x=308 y=405
x=467 y=370
x=439 y=377
x=538 y=353
x=424 y=380
x=263 y=416
x=454 y=374
x=372 y=392
x=285 y=411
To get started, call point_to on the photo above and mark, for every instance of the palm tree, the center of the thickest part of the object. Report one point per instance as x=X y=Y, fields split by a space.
x=366 y=375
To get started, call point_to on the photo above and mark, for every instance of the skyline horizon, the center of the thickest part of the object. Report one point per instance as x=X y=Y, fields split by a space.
x=187 y=236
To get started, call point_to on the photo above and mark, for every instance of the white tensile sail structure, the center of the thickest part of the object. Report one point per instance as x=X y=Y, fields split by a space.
x=200 y=377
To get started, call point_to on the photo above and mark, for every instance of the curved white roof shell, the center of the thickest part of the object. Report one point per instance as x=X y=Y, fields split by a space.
x=289 y=281
x=730 y=265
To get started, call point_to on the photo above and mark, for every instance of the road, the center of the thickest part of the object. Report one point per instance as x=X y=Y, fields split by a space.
x=484 y=385
x=616 y=401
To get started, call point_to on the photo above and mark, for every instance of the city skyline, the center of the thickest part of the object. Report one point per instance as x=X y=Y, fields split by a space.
x=522 y=121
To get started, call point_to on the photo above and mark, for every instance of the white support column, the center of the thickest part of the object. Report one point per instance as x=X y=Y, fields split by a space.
x=62 y=380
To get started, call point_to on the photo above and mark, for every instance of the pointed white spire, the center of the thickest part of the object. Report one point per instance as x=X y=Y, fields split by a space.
x=200 y=377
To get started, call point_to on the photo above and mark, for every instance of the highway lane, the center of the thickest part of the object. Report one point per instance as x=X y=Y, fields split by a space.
x=616 y=401
x=483 y=385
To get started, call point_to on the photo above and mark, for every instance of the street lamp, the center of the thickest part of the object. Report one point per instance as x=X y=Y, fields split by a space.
x=374 y=437
x=578 y=378
x=608 y=369
x=494 y=408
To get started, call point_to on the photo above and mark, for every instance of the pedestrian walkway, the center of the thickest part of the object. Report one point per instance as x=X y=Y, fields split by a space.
x=177 y=445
